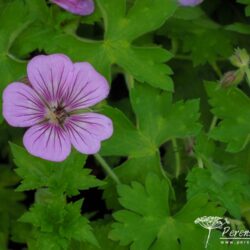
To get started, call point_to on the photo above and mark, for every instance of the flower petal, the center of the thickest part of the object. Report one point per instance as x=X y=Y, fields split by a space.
x=79 y=7
x=190 y=2
x=22 y=107
x=47 y=141
x=49 y=75
x=87 y=88
x=87 y=130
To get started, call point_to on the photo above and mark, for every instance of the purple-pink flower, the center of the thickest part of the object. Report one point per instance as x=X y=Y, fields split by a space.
x=190 y=2
x=78 y=7
x=55 y=105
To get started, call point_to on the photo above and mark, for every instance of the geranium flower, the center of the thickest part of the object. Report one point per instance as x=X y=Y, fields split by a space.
x=55 y=105
x=78 y=7
x=190 y=2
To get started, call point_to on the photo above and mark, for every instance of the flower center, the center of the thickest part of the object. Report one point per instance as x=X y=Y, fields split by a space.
x=58 y=115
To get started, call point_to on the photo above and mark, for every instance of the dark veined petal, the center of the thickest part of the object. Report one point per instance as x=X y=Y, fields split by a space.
x=87 y=88
x=22 y=107
x=79 y=7
x=87 y=130
x=47 y=141
x=50 y=75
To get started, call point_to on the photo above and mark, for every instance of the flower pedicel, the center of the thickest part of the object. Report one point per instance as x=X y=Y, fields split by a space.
x=55 y=107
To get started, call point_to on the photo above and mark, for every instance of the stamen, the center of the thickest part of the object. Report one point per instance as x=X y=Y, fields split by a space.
x=58 y=115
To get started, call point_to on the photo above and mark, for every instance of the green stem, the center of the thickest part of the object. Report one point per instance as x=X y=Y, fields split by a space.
x=248 y=75
x=216 y=69
x=219 y=74
x=107 y=168
x=177 y=158
x=166 y=175
x=174 y=45
x=213 y=123
x=215 y=119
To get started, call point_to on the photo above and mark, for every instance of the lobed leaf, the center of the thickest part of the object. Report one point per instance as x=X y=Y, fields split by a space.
x=56 y=224
x=159 y=119
x=68 y=176
x=232 y=106
x=116 y=48
x=127 y=139
x=146 y=223
x=227 y=186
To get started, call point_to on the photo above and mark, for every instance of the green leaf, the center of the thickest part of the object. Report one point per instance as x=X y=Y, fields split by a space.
x=45 y=22
x=241 y=28
x=53 y=219
x=159 y=119
x=246 y=2
x=204 y=146
x=227 y=186
x=10 y=207
x=232 y=106
x=148 y=64
x=13 y=22
x=189 y=13
x=218 y=45
x=20 y=232
x=135 y=169
x=127 y=139
x=140 y=19
x=68 y=176
x=39 y=9
x=101 y=229
x=164 y=121
x=190 y=27
x=146 y=221
x=46 y=241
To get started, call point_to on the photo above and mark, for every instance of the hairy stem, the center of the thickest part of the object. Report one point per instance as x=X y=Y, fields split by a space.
x=107 y=168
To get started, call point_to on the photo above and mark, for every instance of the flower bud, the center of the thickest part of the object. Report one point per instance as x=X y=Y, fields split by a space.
x=190 y=2
x=232 y=78
x=240 y=58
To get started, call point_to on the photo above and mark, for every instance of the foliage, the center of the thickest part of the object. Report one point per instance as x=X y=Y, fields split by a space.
x=66 y=177
x=147 y=222
x=227 y=186
x=232 y=107
x=11 y=209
